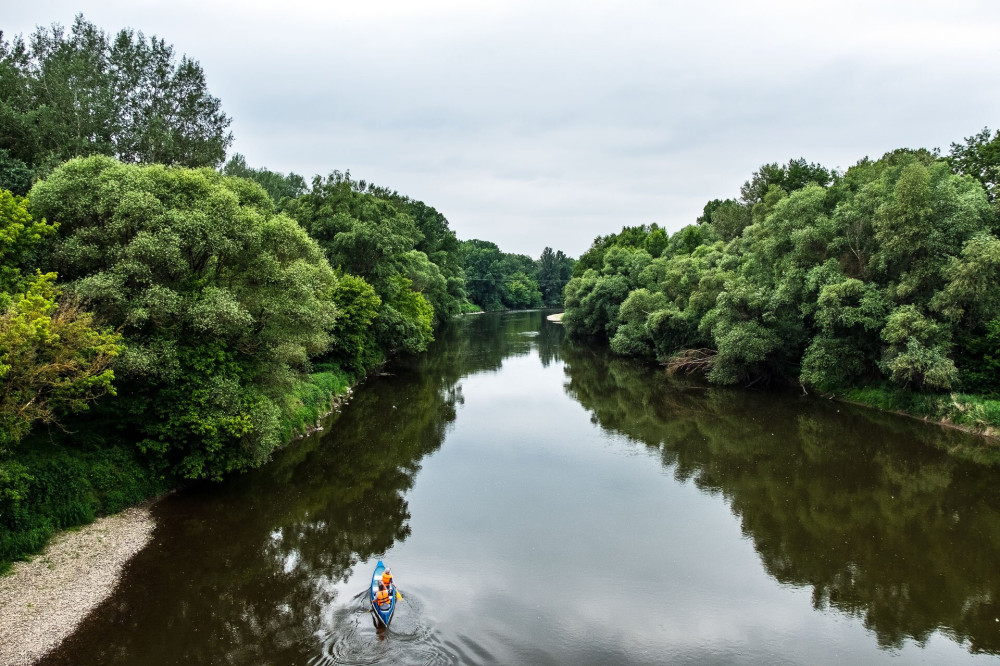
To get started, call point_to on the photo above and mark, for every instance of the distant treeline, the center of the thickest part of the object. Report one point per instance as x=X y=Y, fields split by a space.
x=882 y=282
x=192 y=315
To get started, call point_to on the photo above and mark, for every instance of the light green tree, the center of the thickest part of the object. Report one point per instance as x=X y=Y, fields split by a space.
x=221 y=302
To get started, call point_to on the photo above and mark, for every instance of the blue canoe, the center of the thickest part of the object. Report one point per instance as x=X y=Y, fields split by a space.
x=382 y=616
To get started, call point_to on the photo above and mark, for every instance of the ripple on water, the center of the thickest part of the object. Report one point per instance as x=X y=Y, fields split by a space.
x=351 y=639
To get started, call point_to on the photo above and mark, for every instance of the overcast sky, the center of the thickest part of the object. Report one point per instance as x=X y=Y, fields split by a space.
x=549 y=122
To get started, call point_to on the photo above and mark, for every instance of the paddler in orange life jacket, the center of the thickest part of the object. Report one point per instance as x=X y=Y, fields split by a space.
x=387 y=579
x=382 y=597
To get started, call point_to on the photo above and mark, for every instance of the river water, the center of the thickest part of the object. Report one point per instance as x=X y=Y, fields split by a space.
x=541 y=503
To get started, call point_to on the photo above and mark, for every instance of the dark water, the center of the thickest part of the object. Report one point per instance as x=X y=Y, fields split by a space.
x=541 y=504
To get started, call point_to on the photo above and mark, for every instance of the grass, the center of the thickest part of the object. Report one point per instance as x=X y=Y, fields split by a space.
x=974 y=413
x=311 y=399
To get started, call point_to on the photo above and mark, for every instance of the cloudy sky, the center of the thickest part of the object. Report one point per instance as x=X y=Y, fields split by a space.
x=549 y=122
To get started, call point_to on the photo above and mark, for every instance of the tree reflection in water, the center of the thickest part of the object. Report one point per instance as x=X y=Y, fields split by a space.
x=856 y=505
x=247 y=572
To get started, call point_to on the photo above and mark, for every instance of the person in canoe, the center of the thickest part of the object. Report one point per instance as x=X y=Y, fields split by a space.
x=383 y=598
x=387 y=579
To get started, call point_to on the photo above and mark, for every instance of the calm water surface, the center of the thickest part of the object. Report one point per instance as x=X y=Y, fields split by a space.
x=545 y=504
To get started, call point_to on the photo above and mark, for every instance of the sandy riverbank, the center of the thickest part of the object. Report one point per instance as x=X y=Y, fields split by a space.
x=557 y=317
x=42 y=601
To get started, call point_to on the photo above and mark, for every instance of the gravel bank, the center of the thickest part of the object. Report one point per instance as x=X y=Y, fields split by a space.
x=42 y=601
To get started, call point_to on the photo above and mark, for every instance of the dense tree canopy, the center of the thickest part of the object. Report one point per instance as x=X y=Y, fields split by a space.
x=280 y=186
x=371 y=238
x=53 y=359
x=220 y=300
x=498 y=280
x=82 y=92
x=886 y=272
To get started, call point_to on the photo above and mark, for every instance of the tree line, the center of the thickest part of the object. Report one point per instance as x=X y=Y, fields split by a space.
x=883 y=277
x=191 y=313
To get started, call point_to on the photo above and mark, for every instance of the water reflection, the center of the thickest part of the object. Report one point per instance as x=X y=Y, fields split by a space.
x=252 y=571
x=541 y=469
x=850 y=504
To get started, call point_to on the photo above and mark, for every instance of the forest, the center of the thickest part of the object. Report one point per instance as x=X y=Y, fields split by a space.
x=169 y=315
x=878 y=284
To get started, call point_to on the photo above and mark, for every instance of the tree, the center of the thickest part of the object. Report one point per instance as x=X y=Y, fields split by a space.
x=221 y=302
x=15 y=175
x=81 y=93
x=483 y=273
x=54 y=359
x=918 y=351
x=979 y=157
x=278 y=185
x=21 y=238
x=553 y=270
x=789 y=177
x=370 y=237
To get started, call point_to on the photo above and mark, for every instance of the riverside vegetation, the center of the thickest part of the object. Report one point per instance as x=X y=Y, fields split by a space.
x=878 y=284
x=191 y=315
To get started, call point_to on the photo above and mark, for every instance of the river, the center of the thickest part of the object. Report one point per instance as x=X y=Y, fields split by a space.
x=543 y=503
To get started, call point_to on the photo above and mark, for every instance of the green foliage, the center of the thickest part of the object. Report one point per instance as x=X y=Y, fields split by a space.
x=788 y=177
x=221 y=302
x=481 y=262
x=79 y=93
x=21 y=238
x=15 y=175
x=981 y=361
x=279 y=186
x=974 y=412
x=831 y=280
x=633 y=337
x=311 y=399
x=648 y=238
x=918 y=350
x=373 y=238
x=406 y=321
x=353 y=343
x=498 y=280
x=553 y=270
x=979 y=157
x=51 y=487
x=53 y=359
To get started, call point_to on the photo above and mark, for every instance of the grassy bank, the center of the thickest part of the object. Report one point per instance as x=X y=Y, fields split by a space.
x=53 y=487
x=313 y=398
x=972 y=413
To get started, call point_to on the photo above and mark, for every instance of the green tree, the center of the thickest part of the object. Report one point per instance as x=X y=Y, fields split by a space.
x=21 y=239
x=553 y=270
x=483 y=273
x=54 y=359
x=76 y=93
x=278 y=185
x=221 y=302
x=370 y=237
x=918 y=351
x=15 y=175
x=979 y=157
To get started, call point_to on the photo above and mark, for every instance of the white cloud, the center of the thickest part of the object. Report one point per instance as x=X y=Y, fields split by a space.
x=550 y=122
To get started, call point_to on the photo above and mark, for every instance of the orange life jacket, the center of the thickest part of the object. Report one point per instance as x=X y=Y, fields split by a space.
x=382 y=598
x=387 y=579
